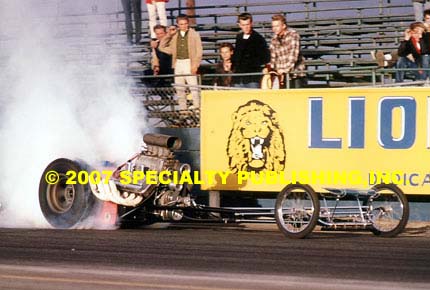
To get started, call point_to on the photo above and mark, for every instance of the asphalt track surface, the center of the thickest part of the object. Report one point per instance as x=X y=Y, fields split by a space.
x=212 y=257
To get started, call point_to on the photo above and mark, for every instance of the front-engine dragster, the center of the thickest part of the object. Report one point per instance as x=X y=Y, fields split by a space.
x=382 y=209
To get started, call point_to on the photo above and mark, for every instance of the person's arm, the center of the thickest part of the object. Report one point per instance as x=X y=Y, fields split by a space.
x=217 y=79
x=164 y=45
x=236 y=52
x=199 y=53
x=155 y=62
x=273 y=56
x=404 y=48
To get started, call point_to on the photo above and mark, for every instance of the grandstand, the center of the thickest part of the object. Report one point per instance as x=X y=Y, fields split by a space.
x=337 y=38
x=335 y=34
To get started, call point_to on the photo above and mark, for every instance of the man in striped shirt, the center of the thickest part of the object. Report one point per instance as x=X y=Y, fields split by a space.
x=285 y=56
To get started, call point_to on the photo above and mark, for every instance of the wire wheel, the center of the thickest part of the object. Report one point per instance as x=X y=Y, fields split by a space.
x=297 y=210
x=389 y=210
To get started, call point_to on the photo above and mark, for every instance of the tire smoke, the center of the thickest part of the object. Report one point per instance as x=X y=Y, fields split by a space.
x=61 y=95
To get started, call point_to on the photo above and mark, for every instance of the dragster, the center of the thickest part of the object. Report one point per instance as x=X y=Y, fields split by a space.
x=67 y=203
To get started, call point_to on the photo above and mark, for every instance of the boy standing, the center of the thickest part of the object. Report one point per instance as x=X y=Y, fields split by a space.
x=186 y=49
x=250 y=54
x=285 y=55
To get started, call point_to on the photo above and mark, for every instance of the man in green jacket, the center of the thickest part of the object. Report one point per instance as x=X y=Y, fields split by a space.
x=185 y=46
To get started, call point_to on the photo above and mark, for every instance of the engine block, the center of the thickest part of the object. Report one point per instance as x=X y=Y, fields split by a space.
x=156 y=155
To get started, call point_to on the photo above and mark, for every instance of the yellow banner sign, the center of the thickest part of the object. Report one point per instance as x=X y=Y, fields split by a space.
x=353 y=137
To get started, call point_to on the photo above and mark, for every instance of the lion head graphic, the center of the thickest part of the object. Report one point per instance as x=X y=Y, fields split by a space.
x=256 y=142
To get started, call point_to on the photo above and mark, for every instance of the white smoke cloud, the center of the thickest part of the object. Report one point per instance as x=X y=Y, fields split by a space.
x=51 y=108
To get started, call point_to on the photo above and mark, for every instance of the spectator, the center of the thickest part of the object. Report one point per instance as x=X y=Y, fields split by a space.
x=251 y=53
x=419 y=7
x=285 y=55
x=427 y=19
x=186 y=49
x=129 y=6
x=161 y=63
x=410 y=51
x=425 y=51
x=224 y=66
x=156 y=7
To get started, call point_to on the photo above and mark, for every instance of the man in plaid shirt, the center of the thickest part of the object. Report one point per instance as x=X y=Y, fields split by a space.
x=285 y=53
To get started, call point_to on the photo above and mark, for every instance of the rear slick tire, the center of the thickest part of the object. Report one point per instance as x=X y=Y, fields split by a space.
x=64 y=205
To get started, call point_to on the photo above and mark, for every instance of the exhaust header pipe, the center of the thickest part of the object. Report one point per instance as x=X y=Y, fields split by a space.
x=166 y=141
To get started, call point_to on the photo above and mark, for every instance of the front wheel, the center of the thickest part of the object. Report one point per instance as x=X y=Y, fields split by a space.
x=64 y=205
x=297 y=210
x=389 y=210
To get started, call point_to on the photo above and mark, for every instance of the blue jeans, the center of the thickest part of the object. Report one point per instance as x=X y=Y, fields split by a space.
x=252 y=85
x=425 y=59
x=403 y=63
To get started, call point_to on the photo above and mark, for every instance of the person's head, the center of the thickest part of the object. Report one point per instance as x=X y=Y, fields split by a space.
x=226 y=50
x=245 y=22
x=417 y=29
x=183 y=22
x=427 y=16
x=279 y=24
x=160 y=31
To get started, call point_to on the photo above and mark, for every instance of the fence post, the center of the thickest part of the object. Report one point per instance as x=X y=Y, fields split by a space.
x=383 y=77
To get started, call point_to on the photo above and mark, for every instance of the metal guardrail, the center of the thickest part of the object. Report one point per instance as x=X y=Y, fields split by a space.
x=373 y=72
x=162 y=106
